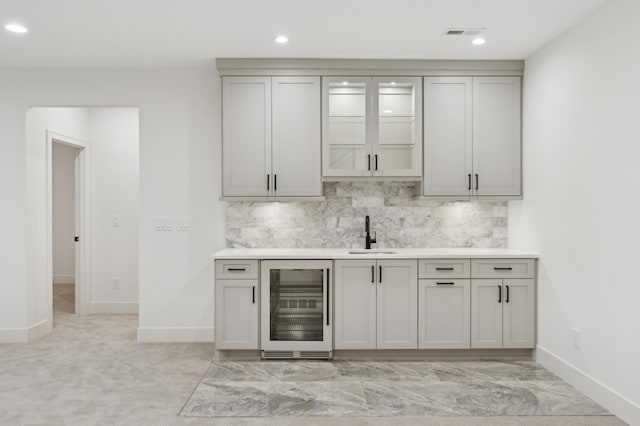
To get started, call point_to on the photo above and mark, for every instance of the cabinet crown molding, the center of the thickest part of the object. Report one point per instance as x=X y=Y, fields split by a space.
x=367 y=67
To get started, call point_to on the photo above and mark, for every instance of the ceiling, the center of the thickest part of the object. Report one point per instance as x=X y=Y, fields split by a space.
x=187 y=33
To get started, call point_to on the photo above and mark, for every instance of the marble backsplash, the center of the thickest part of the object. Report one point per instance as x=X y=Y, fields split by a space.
x=397 y=218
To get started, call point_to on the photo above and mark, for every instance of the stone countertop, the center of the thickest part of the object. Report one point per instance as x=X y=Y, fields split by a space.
x=343 y=253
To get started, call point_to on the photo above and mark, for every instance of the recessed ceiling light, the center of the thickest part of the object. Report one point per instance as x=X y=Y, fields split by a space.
x=387 y=111
x=16 y=28
x=345 y=83
x=281 y=39
x=478 y=41
x=393 y=83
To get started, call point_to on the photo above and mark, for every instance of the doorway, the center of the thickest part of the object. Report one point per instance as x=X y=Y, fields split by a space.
x=64 y=226
x=69 y=232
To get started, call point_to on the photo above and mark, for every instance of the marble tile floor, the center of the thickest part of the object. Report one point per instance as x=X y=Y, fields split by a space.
x=91 y=371
x=385 y=389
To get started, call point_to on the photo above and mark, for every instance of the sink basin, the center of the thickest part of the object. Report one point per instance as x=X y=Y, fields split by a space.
x=372 y=251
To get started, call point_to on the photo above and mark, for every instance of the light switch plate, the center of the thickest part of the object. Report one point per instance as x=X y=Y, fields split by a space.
x=162 y=223
x=183 y=223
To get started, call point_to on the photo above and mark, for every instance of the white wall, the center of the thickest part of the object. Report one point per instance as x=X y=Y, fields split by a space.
x=115 y=191
x=63 y=206
x=581 y=209
x=179 y=176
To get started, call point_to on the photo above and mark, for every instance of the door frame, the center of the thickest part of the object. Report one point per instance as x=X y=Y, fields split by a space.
x=82 y=219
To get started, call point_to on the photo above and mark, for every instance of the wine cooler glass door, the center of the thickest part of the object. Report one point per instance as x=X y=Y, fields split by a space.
x=296 y=308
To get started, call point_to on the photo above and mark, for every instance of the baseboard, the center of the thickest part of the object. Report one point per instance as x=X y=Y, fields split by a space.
x=14 y=335
x=175 y=334
x=616 y=403
x=113 y=308
x=26 y=334
x=39 y=330
x=432 y=354
x=64 y=279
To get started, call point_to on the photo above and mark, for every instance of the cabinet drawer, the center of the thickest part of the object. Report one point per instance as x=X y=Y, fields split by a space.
x=236 y=269
x=444 y=268
x=503 y=268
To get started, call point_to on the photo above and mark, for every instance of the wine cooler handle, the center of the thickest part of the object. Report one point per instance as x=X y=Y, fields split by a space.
x=328 y=285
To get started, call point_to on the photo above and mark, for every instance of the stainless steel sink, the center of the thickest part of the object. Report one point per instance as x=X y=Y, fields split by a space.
x=372 y=251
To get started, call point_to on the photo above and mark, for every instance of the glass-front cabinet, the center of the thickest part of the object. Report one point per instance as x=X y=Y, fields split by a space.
x=372 y=126
x=295 y=306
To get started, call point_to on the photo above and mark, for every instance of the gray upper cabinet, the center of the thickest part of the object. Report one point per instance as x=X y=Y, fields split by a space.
x=271 y=137
x=472 y=136
x=246 y=136
x=372 y=127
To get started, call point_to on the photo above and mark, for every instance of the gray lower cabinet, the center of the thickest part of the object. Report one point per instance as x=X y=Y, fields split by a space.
x=384 y=304
x=444 y=314
x=375 y=305
x=236 y=305
x=503 y=303
x=503 y=313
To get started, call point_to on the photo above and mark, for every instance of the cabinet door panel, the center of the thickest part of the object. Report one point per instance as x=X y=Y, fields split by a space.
x=236 y=314
x=397 y=105
x=346 y=131
x=246 y=135
x=519 y=313
x=397 y=315
x=486 y=313
x=496 y=135
x=447 y=135
x=355 y=304
x=444 y=310
x=296 y=136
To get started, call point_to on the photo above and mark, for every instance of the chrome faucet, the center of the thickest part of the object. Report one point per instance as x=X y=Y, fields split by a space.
x=367 y=239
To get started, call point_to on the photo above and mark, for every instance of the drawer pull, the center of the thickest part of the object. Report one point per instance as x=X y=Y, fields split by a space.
x=444 y=269
x=495 y=268
x=236 y=269
x=445 y=283
x=499 y=294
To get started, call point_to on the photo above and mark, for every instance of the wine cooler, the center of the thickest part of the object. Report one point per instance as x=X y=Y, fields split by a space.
x=296 y=309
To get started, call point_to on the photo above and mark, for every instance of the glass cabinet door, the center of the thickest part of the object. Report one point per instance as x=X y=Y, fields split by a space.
x=398 y=148
x=346 y=132
x=372 y=126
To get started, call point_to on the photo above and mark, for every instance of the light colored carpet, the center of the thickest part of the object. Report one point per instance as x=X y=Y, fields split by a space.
x=91 y=371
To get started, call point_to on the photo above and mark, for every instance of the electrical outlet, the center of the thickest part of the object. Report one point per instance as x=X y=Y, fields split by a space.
x=115 y=281
x=577 y=339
